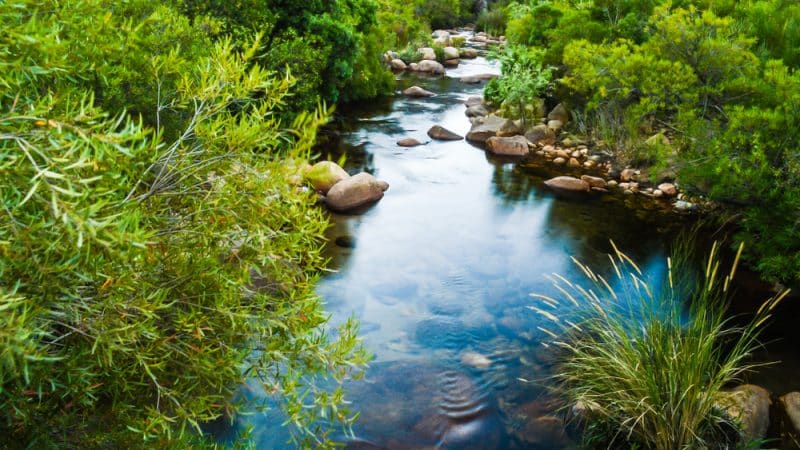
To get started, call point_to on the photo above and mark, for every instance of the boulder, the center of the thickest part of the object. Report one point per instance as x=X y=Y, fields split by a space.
x=324 y=175
x=413 y=66
x=428 y=54
x=477 y=111
x=451 y=53
x=398 y=64
x=594 y=181
x=541 y=134
x=451 y=62
x=443 y=134
x=486 y=127
x=748 y=406
x=408 y=142
x=508 y=146
x=555 y=124
x=355 y=191
x=474 y=101
x=430 y=67
x=468 y=53
x=559 y=113
x=567 y=184
x=668 y=189
x=416 y=91
x=791 y=404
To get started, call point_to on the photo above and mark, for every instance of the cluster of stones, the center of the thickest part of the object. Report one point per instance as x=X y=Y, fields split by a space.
x=340 y=191
x=452 y=54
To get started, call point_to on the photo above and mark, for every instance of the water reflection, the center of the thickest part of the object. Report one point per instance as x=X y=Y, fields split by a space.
x=439 y=272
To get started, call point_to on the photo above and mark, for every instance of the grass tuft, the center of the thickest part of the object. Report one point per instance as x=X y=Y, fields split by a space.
x=646 y=362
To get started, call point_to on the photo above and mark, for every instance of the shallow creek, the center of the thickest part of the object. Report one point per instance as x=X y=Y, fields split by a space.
x=439 y=273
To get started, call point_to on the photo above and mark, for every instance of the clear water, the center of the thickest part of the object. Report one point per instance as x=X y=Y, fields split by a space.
x=439 y=273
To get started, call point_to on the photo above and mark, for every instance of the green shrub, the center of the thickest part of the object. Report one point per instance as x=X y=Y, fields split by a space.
x=143 y=278
x=647 y=362
x=523 y=82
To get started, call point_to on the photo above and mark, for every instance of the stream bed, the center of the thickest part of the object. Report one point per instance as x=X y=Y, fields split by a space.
x=439 y=274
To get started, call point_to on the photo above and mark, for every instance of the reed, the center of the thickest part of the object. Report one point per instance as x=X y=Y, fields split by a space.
x=646 y=363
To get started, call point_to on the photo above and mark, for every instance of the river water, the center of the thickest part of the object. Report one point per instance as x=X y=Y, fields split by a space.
x=439 y=273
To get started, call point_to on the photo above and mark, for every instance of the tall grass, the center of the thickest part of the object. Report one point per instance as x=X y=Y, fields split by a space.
x=646 y=362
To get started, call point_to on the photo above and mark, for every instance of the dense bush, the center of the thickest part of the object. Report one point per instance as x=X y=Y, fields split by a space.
x=146 y=273
x=718 y=77
x=523 y=83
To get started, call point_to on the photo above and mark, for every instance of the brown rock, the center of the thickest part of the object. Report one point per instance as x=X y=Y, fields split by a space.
x=468 y=53
x=443 y=134
x=477 y=111
x=594 y=181
x=668 y=189
x=398 y=64
x=627 y=175
x=559 y=161
x=451 y=62
x=416 y=91
x=508 y=146
x=791 y=404
x=430 y=67
x=748 y=406
x=567 y=184
x=408 y=142
x=573 y=163
x=355 y=191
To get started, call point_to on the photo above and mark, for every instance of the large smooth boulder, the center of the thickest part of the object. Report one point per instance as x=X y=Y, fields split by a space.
x=428 y=54
x=668 y=189
x=567 y=184
x=486 y=127
x=398 y=64
x=541 y=134
x=443 y=134
x=358 y=190
x=451 y=53
x=559 y=113
x=430 y=67
x=748 y=406
x=416 y=91
x=508 y=146
x=324 y=175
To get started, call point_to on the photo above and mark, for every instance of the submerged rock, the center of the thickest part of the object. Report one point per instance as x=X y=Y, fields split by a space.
x=443 y=134
x=324 y=175
x=567 y=184
x=508 y=146
x=416 y=91
x=355 y=191
x=408 y=142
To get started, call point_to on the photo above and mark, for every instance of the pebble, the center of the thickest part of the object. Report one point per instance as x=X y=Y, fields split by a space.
x=559 y=161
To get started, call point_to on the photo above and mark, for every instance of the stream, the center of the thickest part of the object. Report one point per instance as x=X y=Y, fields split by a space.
x=439 y=273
